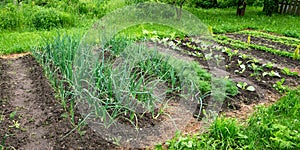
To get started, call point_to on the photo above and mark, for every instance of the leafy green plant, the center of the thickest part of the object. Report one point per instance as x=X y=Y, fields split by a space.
x=279 y=86
x=242 y=66
x=244 y=86
x=51 y=18
x=268 y=65
x=288 y=72
x=12 y=115
x=257 y=69
x=272 y=73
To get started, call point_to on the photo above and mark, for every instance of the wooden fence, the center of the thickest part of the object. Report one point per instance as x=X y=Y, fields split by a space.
x=289 y=7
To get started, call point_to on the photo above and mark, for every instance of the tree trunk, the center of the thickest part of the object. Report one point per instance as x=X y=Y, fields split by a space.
x=241 y=8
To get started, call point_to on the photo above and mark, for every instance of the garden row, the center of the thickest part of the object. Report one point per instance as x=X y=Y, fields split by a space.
x=257 y=69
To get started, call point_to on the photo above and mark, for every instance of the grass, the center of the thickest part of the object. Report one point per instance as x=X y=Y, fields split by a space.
x=225 y=20
x=18 y=42
x=221 y=20
x=273 y=127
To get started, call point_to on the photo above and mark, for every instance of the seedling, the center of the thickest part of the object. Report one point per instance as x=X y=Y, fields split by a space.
x=296 y=53
x=255 y=68
x=249 y=39
x=210 y=29
x=272 y=74
x=279 y=86
x=12 y=115
x=240 y=62
x=288 y=72
x=243 y=67
x=231 y=53
x=244 y=56
x=16 y=124
x=244 y=86
x=269 y=65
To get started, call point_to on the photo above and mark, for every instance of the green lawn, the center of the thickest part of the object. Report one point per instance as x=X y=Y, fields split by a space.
x=225 y=20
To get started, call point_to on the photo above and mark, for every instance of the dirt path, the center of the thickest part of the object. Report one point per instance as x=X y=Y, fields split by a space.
x=30 y=116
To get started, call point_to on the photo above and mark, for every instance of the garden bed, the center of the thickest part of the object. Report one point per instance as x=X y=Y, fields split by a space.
x=30 y=114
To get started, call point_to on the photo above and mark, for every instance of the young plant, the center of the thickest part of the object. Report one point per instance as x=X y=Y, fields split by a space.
x=269 y=65
x=296 y=53
x=210 y=29
x=272 y=74
x=279 y=86
x=249 y=39
x=255 y=68
x=288 y=72
x=244 y=86
x=242 y=66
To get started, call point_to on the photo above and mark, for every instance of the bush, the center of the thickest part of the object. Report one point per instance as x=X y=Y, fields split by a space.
x=50 y=18
x=9 y=17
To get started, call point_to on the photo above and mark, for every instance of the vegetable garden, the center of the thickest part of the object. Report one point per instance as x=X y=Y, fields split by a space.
x=231 y=90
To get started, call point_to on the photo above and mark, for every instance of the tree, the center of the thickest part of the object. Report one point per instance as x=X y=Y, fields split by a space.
x=241 y=7
x=270 y=6
x=176 y=3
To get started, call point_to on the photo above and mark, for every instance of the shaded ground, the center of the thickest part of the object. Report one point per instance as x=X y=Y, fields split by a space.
x=31 y=118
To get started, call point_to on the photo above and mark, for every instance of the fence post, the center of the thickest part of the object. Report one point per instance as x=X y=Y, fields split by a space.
x=281 y=7
x=284 y=7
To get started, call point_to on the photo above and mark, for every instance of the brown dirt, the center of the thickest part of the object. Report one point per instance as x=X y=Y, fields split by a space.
x=38 y=122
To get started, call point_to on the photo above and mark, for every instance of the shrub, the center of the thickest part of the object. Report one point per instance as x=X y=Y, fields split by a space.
x=50 y=18
x=9 y=17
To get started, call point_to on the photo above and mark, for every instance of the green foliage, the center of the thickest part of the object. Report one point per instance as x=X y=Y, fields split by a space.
x=276 y=38
x=296 y=53
x=130 y=2
x=244 y=45
x=51 y=18
x=292 y=33
x=270 y=6
x=225 y=20
x=226 y=134
x=274 y=127
x=277 y=127
x=9 y=17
